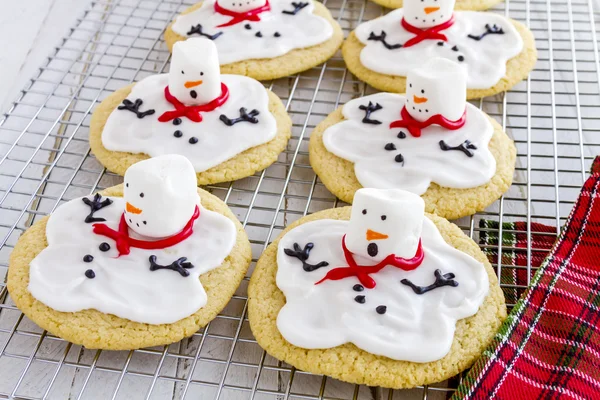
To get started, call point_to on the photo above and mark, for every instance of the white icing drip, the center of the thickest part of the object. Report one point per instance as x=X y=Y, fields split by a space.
x=418 y=328
x=424 y=161
x=485 y=60
x=238 y=43
x=217 y=142
x=125 y=286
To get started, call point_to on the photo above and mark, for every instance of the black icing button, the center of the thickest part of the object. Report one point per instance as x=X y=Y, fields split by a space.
x=401 y=135
x=104 y=246
x=193 y=140
x=390 y=146
x=178 y=134
x=440 y=43
x=399 y=158
x=455 y=48
x=277 y=34
x=381 y=309
x=358 y=288
x=247 y=26
x=360 y=299
x=90 y=274
x=461 y=58
x=258 y=34
x=177 y=121
x=88 y=258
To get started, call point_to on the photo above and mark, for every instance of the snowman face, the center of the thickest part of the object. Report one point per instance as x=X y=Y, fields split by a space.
x=385 y=222
x=437 y=87
x=428 y=13
x=241 y=6
x=195 y=76
x=160 y=195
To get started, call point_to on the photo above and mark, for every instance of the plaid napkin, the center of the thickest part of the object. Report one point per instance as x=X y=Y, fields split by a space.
x=549 y=347
x=514 y=274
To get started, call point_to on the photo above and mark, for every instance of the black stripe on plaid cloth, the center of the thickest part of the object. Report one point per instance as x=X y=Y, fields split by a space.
x=549 y=346
x=514 y=274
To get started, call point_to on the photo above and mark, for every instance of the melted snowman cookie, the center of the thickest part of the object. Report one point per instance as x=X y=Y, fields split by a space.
x=194 y=111
x=259 y=38
x=390 y=290
x=131 y=264
x=429 y=139
x=382 y=51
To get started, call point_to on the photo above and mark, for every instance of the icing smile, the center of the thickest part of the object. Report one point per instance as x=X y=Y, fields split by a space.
x=372 y=235
x=419 y=100
x=429 y=10
x=130 y=208
x=191 y=84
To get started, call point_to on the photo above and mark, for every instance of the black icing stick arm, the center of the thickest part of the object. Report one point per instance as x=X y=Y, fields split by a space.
x=244 y=117
x=134 y=107
x=381 y=38
x=370 y=109
x=489 y=30
x=297 y=7
x=197 y=29
x=466 y=147
x=440 y=281
x=303 y=254
x=95 y=204
x=181 y=265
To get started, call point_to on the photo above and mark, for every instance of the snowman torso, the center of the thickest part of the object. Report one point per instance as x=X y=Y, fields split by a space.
x=387 y=157
x=207 y=143
x=474 y=41
x=82 y=270
x=389 y=319
x=286 y=26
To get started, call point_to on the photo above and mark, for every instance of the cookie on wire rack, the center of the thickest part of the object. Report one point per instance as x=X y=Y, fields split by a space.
x=462 y=5
x=228 y=126
x=260 y=38
x=429 y=141
x=141 y=264
x=497 y=52
x=379 y=294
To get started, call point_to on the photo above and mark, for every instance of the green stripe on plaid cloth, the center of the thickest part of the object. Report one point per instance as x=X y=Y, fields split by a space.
x=549 y=346
x=514 y=274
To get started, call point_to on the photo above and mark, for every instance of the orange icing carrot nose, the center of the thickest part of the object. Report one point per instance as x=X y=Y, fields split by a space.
x=130 y=208
x=372 y=235
x=191 y=84
x=419 y=100
x=429 y=10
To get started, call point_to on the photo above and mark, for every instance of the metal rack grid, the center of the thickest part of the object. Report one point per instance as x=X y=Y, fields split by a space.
x=45 y=160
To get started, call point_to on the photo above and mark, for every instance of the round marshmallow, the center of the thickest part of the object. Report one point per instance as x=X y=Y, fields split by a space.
x=428 y=13
x=384 y=222
x=161 y=195
x=241 y=6
x=439 y=86
x=195 y=75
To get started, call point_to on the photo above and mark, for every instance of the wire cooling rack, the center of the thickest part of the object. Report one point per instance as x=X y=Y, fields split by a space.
x=45 y=160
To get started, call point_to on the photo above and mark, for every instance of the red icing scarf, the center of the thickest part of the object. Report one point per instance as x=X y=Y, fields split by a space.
x=363 y=272
x=192 y=112
x=236 y=18
x=414 y=126
x=125 y=242
x=429 y=33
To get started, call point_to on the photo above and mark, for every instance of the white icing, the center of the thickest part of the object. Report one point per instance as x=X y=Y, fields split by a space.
x=418 y=328
x=161 y=195
x=237 y=43
x=217 y=142
x=380 y=219
x=428 y=13
x=439 y=87
x=485 y=60
x=424 y=161
x=195 y=66
x=124 y=286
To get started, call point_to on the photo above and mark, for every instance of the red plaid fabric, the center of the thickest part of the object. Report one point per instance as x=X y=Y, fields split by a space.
x=549 y=346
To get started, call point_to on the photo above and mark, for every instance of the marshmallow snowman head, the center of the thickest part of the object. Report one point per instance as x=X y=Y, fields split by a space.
x=384 y=222
x=428 y=13
x=161 y=195
x=195 y=75
x=437 y=87
x=241 y=6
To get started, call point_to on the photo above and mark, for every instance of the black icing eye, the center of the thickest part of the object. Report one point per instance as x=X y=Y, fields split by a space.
x=410 y=84
x=365 y=211
x=383 y=217
x=422 y=91
x=142 y=194
x=182 y=72
x=201 y=73
x=426 y=110
x=144 y=222
x=127 y=185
